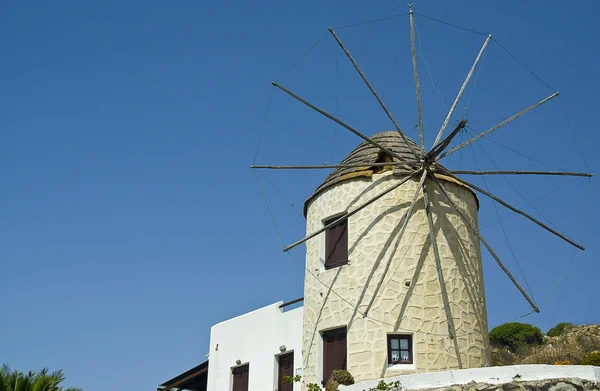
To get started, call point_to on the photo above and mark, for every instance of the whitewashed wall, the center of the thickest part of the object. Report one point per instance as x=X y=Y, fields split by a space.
x=254 y=338
x=492 y=375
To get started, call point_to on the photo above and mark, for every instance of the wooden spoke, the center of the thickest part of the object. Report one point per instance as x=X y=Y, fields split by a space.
x=356 y=132
x=516 y=172
x=444 y=143
x=485 y=243
x=366 y=165
x=501 y=124
x=406 y=217
x=474 y=187
x=416 y=74
x=460 y=92
x=438 y=263
x=364 y=77
x=351 y=213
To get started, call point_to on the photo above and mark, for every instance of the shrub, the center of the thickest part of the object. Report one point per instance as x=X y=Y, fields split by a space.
x=572 y=348
x=383 y=386
x=591 y=359
x=313 y=387
x=342 y=377
x=291 y=379
x=559 y=329
x=516 y=335
x=331 y=385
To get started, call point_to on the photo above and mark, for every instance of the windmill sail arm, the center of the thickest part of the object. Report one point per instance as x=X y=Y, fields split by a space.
x=438 y=264
x=501 y=124
x=406 y=218
x=351 y=213
x=485 y=243
x=493 y=197
x=517 y=172
x=339 y=122
x=416 y=76
x=444 y=143
x=460 y=92
x=321 y=166
x=383 y=106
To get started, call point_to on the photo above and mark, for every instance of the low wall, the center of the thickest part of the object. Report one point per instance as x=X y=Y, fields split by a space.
x=516 y=377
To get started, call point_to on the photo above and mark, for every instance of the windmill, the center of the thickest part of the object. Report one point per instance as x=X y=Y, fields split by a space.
x=368 y=202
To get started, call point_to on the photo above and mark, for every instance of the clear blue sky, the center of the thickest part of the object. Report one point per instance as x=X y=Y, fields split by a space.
x=130 y=221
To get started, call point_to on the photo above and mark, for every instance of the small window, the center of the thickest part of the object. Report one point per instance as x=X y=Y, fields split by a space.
x=336 y=244
x=383 y=157
x=400 y=349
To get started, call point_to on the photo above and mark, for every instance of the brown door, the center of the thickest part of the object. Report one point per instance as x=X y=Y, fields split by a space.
x=334 y=351
x=240 y=378
x=286 y=368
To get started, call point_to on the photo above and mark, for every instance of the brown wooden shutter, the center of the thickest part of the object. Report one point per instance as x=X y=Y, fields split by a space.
x=336 y=245
x=240 y=378
x=286 y=368
x=334 y=352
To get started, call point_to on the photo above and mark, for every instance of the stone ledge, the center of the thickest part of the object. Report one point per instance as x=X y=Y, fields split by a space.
x=571 y=384
x=488 y=378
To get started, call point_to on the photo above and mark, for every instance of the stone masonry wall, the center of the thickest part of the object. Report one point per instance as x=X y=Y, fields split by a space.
x=567 y=384
x=378 y=286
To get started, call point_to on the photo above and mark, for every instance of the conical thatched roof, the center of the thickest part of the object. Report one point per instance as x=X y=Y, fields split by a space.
x=366 y=154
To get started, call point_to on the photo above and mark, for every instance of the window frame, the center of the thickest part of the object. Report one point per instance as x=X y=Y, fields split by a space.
x=330 y=264
x=410 y=349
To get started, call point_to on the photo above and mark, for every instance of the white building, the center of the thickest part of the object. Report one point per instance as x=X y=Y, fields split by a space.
x=250 y=352
x=255 y=350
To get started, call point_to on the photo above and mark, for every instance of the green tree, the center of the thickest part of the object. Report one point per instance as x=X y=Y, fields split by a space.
x=516 y=335
x=559 y=329
x=33 y=381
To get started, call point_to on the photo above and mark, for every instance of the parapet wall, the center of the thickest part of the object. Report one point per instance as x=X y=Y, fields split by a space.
x=508 y=378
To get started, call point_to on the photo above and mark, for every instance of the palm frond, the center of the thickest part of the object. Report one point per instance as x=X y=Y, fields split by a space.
x=44 y=380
